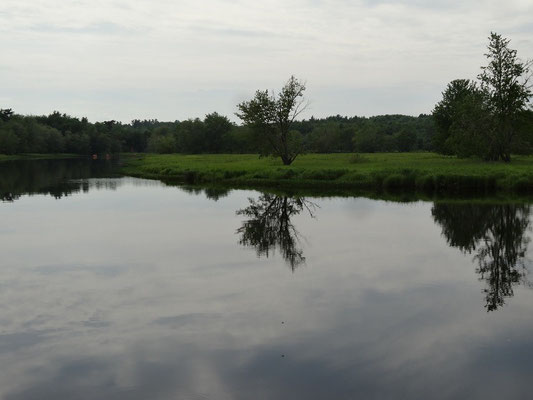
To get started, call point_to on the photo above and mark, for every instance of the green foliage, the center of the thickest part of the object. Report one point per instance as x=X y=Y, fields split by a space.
x=271 y=118
x=406 y=140
x=6 y=114
x=393 y=133
x=216 y=129
x=9 y=142
x=505 y=83
x=56 y=133
x=446 y=113
x=523 y=141
x=487 y=120
x=368 y=139
x=330 y=137
x=78 y=143
x=426 y=172
x=162 y=144
x=190 y=136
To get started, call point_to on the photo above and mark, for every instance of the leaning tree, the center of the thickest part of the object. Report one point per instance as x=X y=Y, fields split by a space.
x=271 y=116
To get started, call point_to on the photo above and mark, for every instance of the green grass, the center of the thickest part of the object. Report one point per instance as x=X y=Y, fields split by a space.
x=389 y=172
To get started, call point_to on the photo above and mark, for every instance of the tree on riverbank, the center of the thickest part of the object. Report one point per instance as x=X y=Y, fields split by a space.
x=486 y=119
x=460 y=95
x=505 y=82
x=271 y=118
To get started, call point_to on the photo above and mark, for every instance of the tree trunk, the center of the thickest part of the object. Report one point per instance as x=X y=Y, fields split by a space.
x=286 y=160
x=506 y=157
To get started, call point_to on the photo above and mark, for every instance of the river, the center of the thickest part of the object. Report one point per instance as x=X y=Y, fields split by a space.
x=121 y=288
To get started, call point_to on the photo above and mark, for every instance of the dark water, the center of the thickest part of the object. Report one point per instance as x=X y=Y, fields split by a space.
x=121 y=288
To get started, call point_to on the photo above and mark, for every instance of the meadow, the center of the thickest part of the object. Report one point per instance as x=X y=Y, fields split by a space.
x=424 y=172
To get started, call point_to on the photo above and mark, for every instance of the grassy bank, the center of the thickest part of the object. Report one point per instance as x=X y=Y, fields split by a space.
x=424 y=172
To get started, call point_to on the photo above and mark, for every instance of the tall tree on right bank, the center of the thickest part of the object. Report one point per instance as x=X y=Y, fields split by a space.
x=486 y=119
x=506 y=84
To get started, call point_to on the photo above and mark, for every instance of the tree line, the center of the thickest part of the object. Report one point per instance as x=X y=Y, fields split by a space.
x=62 y=133
x=487 y=118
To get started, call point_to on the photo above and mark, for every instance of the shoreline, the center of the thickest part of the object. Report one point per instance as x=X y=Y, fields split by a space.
x=423 y=173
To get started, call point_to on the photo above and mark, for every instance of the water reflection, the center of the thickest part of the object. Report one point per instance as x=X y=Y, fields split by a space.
x=57 y=178
x=212 y=193
x=63 y=177
x=269 y=226
x=143 y=293
x=497 y=236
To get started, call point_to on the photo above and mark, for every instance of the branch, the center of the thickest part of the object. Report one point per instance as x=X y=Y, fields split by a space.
x=300 y=108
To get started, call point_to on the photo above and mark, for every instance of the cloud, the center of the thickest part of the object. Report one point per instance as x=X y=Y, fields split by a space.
x=66 y=51
x=101 y=28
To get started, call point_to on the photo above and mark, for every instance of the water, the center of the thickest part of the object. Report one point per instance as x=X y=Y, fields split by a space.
x=115 y=288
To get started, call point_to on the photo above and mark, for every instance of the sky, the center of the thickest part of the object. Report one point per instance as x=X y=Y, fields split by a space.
x=178 y=59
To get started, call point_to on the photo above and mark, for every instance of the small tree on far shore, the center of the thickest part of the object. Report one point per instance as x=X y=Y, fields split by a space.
x=271 y=116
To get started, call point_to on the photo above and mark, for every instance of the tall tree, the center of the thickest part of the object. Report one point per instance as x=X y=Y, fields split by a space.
x=6 y=114
x=506 y=83
x=216 y=128
x=447 y=111
x=271 y=117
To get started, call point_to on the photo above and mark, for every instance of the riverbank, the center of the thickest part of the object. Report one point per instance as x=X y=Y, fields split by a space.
x=424 y=172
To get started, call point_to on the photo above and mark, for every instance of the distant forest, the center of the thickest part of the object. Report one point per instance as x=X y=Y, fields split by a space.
x=61 y=133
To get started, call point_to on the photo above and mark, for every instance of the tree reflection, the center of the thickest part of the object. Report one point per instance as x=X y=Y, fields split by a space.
x=269 y=226
x=57 y=178
x=212 y=193
x=497 y=235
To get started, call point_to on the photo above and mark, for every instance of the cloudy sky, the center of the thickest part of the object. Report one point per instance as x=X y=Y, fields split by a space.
x=176 y=59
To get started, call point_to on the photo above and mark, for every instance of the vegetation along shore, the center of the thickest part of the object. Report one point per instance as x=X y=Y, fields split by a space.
x=465 y=145
x=427 y=172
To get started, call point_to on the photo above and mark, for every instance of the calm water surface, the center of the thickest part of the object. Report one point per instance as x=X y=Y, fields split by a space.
x=121 y=288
